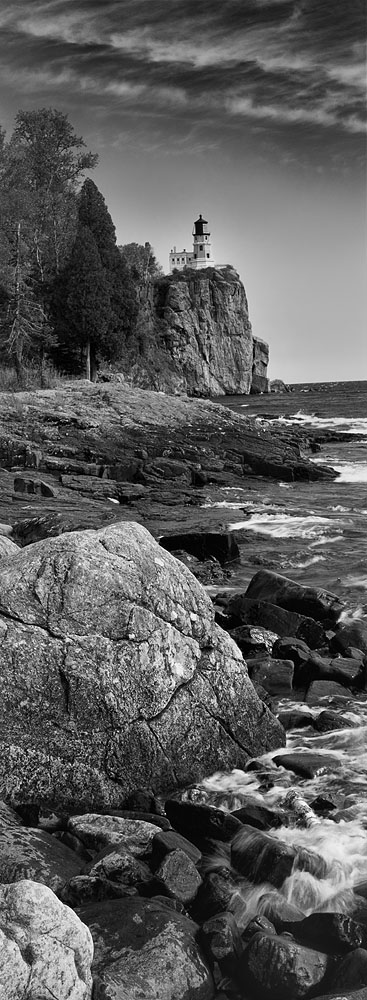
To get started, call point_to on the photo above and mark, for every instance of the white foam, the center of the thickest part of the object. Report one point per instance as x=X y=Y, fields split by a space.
x=346 y=425
x=355 y=472
x=284 y=525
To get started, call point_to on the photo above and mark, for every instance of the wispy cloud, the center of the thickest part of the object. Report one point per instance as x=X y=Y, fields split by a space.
x=286 y=62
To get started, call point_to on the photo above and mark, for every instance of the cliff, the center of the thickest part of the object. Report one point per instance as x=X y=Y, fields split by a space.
x=195 y=336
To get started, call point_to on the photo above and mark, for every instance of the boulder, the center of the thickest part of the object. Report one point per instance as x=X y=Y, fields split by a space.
x=331 y=690
x=144 y=949
x=45 y=950
x=179 y=876
x=252 y=640
x=351 y=973
x=277 y=967
x=275 y=619
x=27 y=853
x=338 y=932
x=114 y=674
x=97 y=832
x=276 y=676
x=308 y=601
x=221 y=941
x=201 y=822
x=307 y=763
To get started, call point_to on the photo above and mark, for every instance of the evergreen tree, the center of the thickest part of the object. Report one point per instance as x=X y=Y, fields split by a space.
x=94 y=215
x=40 y=168
x=88 y=306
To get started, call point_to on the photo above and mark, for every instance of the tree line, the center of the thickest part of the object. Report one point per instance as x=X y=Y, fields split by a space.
x=67 y=291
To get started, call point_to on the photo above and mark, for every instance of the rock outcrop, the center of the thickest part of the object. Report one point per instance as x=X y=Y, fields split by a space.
x=196 y=336
x=114 y=674
x=260 y=361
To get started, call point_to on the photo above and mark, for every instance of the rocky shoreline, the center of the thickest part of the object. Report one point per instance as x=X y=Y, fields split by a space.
x=124 y=684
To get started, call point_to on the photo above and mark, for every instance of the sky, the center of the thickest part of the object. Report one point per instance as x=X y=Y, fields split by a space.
x=251 y=112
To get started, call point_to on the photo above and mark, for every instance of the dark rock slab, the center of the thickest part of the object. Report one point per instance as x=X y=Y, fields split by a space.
x=328 y=721
x=327 y=689
x=309 y=601
x=278 y=968
x=221 y=545
x=253 y=640
x=222 y=943
x=170 y=840
x=257 y=815
x=296 y=719
x=350 y=634
x=276 y=676
x=307 y=764
x=199 y=823
x=338 y=932
x=276 y=619
x=351 y=973
x=179 y=876
x=261 y=858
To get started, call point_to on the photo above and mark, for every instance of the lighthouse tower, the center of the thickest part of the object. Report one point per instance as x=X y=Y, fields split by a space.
x=201 y=254
x=202 y=247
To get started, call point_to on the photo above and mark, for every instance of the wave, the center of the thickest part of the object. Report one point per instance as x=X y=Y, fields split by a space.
x=285 y=525
x=346 y=425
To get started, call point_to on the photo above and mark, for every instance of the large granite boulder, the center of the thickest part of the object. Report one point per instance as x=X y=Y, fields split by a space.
x=114 y=675
x=45 y=950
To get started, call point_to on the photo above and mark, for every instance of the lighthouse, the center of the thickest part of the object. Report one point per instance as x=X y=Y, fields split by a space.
x=201 y=254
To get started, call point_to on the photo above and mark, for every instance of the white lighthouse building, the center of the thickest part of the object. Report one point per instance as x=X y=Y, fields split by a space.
x=201 y=254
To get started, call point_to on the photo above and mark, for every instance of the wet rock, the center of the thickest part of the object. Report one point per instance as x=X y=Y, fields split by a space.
x=261 y=858
x=350 y=633
x=278 y=910
x=45 y=950
x=222 y=546
x=170 y=840
x=201 y=822
x=327 y=689
x=83 y=889
x=143 y=800
x=253 y=640
x=275 y=619
x=161 y=822
x=179 y=876
x=97 y=832
x=215 y=895
x=307 y=764
x=257 y=815
x=291 y=648
x=221 y=941
x=351 y=973
x=296 y=719
x=309 y=601
x=146 y=949
x=276 y=676
x=277 y=967
x=343 y=670
x=256 y=925
x=123 y=868
x=172 y=702
x=328 y=721
x=209 y=571
x=322 y=805
x=338 y=932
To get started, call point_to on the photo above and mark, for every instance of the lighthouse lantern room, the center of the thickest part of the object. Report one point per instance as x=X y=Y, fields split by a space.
x=201 y=254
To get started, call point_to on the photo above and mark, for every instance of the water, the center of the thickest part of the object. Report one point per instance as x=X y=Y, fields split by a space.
x=315 y=533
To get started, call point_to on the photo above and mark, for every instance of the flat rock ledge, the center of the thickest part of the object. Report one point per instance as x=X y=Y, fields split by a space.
x=114 y=674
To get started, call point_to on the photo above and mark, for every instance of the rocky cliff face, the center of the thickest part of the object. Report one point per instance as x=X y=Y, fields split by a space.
x=195 y=335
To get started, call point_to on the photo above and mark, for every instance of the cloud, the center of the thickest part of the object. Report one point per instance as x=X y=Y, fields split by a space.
x=220 y=62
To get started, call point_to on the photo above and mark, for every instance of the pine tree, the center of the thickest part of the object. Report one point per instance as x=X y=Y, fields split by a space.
x=88 y=306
